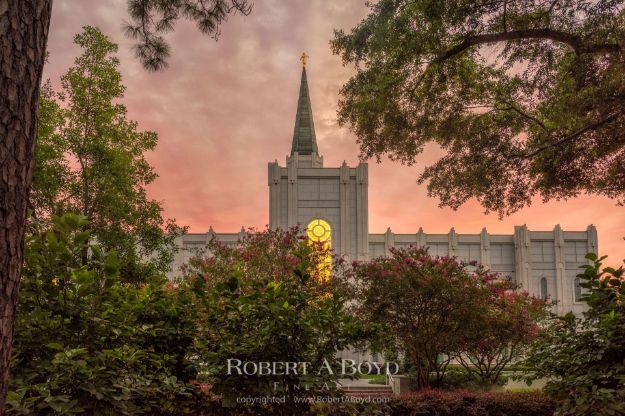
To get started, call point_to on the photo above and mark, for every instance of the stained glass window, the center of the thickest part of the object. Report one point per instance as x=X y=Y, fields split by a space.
x=319 y=231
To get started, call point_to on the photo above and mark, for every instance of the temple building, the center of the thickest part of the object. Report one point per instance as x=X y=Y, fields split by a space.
x=332 y=204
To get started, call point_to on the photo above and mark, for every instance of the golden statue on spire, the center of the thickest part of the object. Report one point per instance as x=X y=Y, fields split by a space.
x=304 y=58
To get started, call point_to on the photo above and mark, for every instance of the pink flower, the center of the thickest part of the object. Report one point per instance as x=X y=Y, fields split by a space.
x=292 y=260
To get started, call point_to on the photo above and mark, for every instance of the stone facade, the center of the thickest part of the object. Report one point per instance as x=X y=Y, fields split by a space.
x=545 y=263
x=525 y=256
x=302 y=192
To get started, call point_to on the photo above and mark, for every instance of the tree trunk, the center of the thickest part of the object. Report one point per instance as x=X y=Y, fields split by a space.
x=23 y=35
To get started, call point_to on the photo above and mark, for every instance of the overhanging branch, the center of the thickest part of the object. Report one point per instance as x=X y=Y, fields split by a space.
x=574 y=41
x=590 y=127
x=524 y=114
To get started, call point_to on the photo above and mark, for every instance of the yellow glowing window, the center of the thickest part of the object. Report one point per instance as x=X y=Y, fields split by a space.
x=319 y=231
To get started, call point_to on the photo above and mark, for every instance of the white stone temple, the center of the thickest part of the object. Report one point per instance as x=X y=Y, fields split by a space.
x=332 y=203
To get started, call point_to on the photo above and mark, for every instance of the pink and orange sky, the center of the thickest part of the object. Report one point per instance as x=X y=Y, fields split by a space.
x=224 y=109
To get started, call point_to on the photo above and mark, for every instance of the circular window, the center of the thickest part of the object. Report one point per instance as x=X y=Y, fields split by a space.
x=319 y=231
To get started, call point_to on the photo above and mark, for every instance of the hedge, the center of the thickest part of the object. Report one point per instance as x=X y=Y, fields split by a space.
x=424 y=403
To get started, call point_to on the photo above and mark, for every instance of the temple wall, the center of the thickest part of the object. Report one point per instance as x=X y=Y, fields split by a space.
x=527 y=256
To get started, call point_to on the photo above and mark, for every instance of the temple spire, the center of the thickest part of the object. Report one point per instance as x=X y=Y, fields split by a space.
x=304 y=140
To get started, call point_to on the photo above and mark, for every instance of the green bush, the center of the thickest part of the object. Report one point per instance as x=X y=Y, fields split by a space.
x=85 y=343
x=585 y=358
x=458 y=377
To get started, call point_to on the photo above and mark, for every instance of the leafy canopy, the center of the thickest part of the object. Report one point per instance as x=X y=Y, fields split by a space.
x=90 y=160
x=523 y=97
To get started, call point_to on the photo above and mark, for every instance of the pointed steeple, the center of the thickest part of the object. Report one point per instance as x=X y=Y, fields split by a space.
x=304 y=139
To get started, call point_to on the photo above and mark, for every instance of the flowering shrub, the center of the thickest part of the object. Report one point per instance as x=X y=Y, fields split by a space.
x=260 y=257
x=435 y=311
x=263 y=301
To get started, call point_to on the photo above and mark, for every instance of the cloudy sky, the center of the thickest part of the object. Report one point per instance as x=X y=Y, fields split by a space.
x=224 y=109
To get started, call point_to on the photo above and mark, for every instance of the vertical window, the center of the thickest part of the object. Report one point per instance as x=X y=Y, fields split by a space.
x=320 y=232
x=578 y=290
x=543 y=288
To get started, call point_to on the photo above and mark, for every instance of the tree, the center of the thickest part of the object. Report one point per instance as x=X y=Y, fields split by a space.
x=436 y=310
x=584 y=359
x=266 y=300
x=24 y=28
x=511 y=322
x=524 y=97
x=90 y=161
x=424 y=303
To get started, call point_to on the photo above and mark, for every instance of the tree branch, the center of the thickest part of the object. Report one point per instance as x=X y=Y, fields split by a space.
x=574 y=41
x=553 y=4
x=592 y=126
x=524 y=114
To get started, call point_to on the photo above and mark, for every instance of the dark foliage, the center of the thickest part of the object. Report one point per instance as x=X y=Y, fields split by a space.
x=86 y=343
x=525 y=98
x=425 y=403
x=585 y=358
x=151 y=19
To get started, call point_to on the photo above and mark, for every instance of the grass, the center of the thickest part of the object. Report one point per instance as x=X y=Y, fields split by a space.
x=377 y=379
x=524 y=390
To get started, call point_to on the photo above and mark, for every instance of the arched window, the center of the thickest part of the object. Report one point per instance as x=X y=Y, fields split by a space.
x=319 y=231
x=578 y=290
x=543 y=288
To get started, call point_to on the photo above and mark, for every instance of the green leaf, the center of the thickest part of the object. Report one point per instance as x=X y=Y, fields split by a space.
x=55 y=346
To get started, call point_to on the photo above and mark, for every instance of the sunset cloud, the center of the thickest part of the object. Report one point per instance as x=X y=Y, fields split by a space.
x=224 y=109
